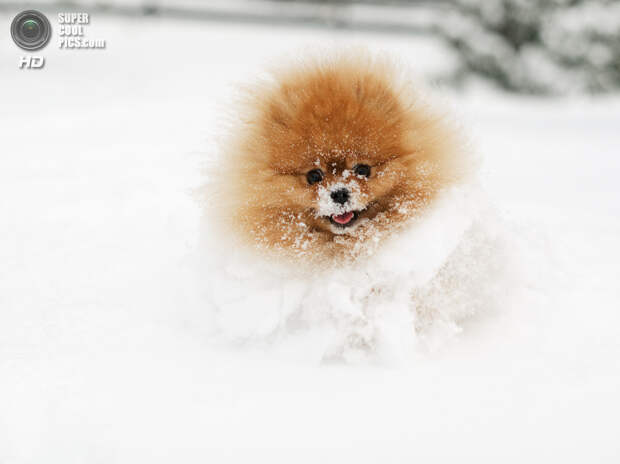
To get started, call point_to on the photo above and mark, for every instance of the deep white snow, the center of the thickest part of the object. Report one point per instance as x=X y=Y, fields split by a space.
x=111 y=350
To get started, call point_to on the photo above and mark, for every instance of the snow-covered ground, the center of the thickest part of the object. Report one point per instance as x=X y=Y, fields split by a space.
x=106 y=349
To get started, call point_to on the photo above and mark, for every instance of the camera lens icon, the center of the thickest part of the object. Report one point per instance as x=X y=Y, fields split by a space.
x=31 y=30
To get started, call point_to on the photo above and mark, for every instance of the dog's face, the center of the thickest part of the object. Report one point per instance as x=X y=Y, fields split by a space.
x=343 y=192
x=338 y=192
x=333 y=157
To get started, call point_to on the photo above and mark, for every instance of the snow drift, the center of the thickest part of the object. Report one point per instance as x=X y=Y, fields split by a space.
x=412 y=293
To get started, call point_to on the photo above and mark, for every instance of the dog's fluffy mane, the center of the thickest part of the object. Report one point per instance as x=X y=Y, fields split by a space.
x=345 y=105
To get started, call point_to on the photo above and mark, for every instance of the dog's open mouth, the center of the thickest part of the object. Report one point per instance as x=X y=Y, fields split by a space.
x=343 y=220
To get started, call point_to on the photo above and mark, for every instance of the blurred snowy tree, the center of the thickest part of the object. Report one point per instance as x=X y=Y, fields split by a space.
x=537 y=46
x=524 y=46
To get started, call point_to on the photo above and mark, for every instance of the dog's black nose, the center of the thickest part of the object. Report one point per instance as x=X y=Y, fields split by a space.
x=340 y=196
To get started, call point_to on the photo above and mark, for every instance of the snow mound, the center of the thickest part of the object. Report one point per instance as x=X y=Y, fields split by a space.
x=412 y=295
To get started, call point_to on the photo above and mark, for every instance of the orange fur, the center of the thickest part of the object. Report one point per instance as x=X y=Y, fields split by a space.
x=333 y=113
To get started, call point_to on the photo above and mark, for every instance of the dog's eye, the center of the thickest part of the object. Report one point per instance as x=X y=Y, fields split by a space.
x=314 y=176
x=362 y=170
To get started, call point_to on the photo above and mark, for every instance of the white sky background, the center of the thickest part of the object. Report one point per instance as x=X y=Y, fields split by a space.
x=104 y=347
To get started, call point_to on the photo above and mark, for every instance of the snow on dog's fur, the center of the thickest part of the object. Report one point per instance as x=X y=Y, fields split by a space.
x=331 y=154
x=354 y=185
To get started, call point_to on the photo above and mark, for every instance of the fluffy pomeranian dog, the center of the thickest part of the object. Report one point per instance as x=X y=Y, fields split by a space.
x=330 y=156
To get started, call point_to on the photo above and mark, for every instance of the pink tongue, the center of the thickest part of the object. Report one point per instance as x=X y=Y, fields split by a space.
x=343 y=218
